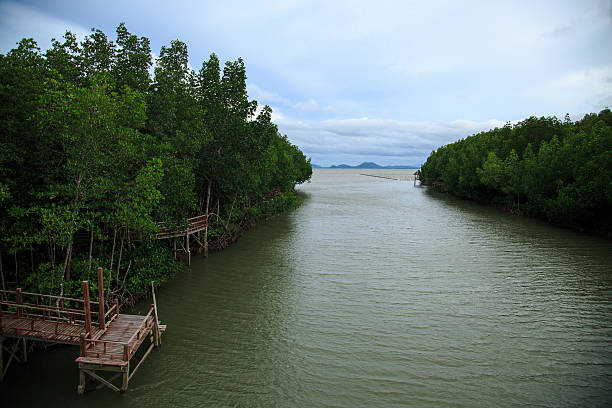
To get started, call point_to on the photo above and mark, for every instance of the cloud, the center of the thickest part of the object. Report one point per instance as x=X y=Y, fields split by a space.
x=264 y=97
x=414 y=67
x=591 y=87
x=310 y=105
x=385 y=141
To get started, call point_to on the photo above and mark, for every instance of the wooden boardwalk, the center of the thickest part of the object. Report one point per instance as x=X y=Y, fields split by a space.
x=106 y=345
x=192 y=228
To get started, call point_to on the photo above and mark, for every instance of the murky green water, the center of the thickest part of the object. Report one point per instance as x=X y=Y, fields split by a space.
x=373 y=293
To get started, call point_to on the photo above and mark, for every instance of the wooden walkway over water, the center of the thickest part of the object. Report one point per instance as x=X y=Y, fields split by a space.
x=107 y=343
x=191 y=230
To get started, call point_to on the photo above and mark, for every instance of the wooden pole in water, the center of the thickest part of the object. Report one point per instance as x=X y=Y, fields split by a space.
x=188 y=251
x=87 y=307
x=101 y=317
x=157 y=334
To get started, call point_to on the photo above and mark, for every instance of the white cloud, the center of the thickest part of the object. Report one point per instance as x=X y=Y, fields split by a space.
x=264 y=97
x=310 y=105
x=590 y=87
x=385 y=141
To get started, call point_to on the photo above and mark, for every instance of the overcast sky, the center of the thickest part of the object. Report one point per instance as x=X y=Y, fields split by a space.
x=383 y=81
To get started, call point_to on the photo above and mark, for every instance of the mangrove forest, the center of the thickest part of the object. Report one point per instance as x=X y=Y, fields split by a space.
x=557 y=170
x=100 y=143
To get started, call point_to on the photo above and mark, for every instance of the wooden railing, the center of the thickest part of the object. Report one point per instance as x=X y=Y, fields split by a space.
x=58 y=313
x=113 y=350
x=192 y=225
x=146 y=323
x=112 y=313
x=36 y=307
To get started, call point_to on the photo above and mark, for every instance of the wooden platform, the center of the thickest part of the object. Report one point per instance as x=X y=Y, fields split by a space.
x=119 y=342
x=107 y=344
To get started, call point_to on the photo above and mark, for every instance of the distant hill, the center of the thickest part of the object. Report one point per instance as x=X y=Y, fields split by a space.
x=366 y=165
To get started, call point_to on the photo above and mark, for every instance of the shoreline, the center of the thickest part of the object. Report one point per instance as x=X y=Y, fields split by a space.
x=520 y=213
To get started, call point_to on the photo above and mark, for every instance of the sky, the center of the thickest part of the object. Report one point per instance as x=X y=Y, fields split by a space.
x=382 y=81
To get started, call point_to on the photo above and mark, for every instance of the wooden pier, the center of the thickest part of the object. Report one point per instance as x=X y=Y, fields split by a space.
x=191 y=231
x=107 y=343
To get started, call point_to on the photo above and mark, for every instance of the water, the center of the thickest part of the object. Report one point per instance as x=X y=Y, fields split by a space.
x=374 y=293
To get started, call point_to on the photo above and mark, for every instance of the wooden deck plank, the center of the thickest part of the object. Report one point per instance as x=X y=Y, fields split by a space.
x=43 y=329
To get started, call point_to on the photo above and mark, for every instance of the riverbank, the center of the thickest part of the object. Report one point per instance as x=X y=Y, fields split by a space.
x=522 y=212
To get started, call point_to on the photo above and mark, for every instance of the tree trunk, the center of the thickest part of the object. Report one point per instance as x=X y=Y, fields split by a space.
x=2 y=273
x=68 y=269
x=90 y=248
x=206 y=229
x=52 y=257
x=113 y=250
x=16 y=271
x=119 y=260
x=64 y=270
x=230 y=213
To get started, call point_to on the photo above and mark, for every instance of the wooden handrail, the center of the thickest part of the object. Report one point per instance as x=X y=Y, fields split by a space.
x=141 y=326
x=44 y=308
x=193 y=224
x=108 y=313
x=14 y=292
x=116 y=343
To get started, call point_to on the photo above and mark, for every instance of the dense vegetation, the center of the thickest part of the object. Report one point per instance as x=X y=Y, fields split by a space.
x=560 y=170
x=94 y=150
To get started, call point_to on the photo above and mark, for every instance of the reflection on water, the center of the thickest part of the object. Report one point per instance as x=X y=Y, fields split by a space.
x=374 y=293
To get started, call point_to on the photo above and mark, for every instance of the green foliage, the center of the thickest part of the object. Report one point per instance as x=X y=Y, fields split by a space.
x=559 y=170
x=94 y=151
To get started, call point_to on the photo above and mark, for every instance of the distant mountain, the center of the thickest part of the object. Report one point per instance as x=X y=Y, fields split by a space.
x=316 y=166
x=366 y=165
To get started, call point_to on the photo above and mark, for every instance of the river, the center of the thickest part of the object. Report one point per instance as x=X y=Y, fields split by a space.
x=373 y=293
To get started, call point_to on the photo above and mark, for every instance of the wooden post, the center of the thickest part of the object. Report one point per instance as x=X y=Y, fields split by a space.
x=188 y=251
x=126 y=378
x=101 y=317
x=19 y=299
x=156 y=332
x=82 y=382
x=126 y=352
x=82 y=345
x=87 y=307
x=25 y=350
x=0 y=317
